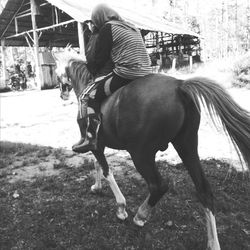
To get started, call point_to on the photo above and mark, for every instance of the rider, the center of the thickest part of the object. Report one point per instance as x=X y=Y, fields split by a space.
x=122 y=43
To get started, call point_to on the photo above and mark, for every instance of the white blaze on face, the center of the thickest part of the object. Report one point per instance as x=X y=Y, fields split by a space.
x=60 y=69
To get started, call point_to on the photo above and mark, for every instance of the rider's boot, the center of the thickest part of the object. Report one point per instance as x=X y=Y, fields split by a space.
x=83 y=124
x=89 y=133
x=82 y=120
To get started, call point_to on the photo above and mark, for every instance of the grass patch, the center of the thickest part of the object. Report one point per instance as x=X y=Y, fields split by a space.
x=20 y=149
x=62 y=164
x=59 y=212
x=5 y=89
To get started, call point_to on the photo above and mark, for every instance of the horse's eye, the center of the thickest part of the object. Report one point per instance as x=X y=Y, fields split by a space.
x=64 y=87
x=69 y=87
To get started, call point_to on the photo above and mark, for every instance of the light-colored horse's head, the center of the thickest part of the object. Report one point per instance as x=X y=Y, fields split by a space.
x=71 y=72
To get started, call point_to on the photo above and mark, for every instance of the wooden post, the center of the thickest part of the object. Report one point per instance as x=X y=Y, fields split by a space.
x=157 y=41
x=12 y=57
x=4 y=62
x=173 y=64
x=25 y=59
x=190 y=63
x=81 y=39
x=39 y=76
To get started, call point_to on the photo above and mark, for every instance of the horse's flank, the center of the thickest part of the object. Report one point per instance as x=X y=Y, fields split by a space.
x=145 y=105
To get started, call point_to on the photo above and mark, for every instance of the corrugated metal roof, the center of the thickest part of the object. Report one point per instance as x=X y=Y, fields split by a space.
x=11 y=7
x=81 y=11
x=78 y=10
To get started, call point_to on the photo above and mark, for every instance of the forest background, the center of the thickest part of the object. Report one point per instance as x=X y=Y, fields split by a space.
x=224 y=25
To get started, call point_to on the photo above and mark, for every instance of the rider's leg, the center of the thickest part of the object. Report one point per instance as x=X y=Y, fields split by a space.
x=89 y=124
x=82 y=123
x=82 y=120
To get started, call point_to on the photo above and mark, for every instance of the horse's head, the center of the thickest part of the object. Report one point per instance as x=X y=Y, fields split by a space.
x=63 y=78
x=71 y=73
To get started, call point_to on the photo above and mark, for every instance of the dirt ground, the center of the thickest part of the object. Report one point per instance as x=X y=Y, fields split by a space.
x=46 y=203
x=45 y=199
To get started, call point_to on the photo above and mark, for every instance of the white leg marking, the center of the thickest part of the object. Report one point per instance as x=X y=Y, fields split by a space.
x=121 y=202
x=143 y=213
x=98 y=176
x=213 y=242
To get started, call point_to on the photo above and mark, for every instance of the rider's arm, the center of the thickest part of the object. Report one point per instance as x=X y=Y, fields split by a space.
x=103 y=49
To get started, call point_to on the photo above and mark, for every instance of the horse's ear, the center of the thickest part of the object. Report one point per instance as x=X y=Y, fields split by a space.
x=68 y=47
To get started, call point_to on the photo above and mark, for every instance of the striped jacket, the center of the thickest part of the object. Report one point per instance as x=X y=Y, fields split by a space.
x=126 y=49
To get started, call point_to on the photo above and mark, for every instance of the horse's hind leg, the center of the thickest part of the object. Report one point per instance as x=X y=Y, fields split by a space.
x=121 y=202
x=186 y=145
x=188 y=153
x=145 y=164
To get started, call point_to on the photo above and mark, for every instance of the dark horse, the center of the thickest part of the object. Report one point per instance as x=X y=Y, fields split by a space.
x=146 y=115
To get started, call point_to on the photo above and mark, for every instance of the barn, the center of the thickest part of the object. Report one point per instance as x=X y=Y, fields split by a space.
x=46 y=24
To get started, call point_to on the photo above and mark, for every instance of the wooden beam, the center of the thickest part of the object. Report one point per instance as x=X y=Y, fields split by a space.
x=4 y=62
x=39 y=77
x=81 y=39
x=16 y=26
x=41 y=29
x=27 y=12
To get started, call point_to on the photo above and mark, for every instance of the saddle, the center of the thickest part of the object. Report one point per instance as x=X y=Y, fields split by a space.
x=93 y=84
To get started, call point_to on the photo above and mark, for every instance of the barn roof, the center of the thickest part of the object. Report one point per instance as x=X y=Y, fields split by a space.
x=57 y=21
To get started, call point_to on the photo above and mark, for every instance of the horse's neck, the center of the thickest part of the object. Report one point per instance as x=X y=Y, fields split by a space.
x=79 y=76
x=78 y=87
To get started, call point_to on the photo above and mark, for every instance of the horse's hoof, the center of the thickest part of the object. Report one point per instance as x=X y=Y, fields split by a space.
x=139 y=222
x=122 y=215
x=213 y=246
x=121 y=212
x=95 y=189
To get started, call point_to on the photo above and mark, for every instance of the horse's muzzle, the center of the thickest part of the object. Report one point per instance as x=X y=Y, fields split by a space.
x=65 y=95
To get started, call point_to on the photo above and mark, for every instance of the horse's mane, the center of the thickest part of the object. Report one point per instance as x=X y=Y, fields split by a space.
x=78 y=71
x=76 y=65
x=67 y=55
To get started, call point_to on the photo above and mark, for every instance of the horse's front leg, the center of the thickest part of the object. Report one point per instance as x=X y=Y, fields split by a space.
x=98 y=176
x=120 y=199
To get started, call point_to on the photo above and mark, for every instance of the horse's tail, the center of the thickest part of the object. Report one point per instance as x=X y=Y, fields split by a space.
x=235 y=120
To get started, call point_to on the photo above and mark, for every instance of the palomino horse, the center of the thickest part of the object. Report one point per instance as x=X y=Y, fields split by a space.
x=146 y=115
